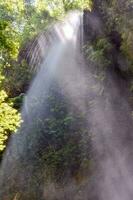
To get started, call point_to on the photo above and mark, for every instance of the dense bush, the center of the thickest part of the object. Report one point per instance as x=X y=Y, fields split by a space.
x=9 y=120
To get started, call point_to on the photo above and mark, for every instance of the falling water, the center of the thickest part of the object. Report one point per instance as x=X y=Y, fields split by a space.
x=61 y=78
x=107 y=120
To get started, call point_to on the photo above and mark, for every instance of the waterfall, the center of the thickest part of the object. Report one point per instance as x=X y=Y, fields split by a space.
x=60 y=77
x=94 y=138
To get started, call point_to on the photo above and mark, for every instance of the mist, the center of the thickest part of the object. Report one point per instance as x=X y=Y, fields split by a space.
x=100 y=128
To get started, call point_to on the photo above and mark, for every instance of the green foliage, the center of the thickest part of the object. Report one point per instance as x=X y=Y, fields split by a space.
x=123 y=21
x=17 y=101
x=59 y=7
x=56 y=146
x=37 y=19
x=18 y=77
x=62 y=153
x=58 y=137
x=117 y=16
x=9 y=29
x=114 y=47
x=77 y=4
x=9 y=120
x=21 y=21
x=97 y=51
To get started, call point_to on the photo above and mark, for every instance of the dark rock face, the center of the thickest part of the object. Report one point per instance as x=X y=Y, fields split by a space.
x=92 y=25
